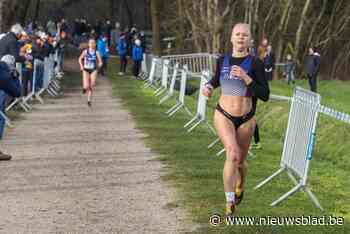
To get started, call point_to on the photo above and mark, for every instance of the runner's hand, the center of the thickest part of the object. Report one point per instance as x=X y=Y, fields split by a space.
x=207 y=91
x=238 y=72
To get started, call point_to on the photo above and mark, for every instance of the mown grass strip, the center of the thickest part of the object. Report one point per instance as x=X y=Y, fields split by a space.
x=197 y=173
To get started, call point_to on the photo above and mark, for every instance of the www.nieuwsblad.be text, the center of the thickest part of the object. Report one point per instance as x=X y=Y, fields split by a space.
x=216 y=220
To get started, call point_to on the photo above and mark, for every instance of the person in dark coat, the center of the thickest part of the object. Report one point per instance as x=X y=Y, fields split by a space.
x=312 y=67
x=269 y=63
x=9 y=85
x=9 y=45
x=137 y=57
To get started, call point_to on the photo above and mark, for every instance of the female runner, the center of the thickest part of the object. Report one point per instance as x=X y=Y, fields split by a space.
x=242 y=80
x=90 y=61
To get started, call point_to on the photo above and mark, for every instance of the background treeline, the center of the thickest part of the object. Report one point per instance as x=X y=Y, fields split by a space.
x=127 y=12
x=290 y=25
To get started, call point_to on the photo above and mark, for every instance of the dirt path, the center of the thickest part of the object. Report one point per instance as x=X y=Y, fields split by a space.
x=81 y=170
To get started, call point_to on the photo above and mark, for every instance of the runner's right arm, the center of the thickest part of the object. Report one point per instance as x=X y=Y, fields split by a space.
x=81 y=58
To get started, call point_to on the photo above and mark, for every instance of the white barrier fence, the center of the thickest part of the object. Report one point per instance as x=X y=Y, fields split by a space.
x=298 y=144
x=196 y=63
x=200 y=116
x=180 y=100
x=300 y=135
x=171 y=89
x=45 y=73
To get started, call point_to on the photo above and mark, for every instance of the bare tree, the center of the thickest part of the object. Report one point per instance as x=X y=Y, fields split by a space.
x=7 y=14
x=208 y=19
x=37 y=10
x=155 y=12
x=24 y=11
x=300 y=27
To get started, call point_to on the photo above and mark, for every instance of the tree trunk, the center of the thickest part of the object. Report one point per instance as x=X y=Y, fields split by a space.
x=181 y=34
x=111 y=9
x=155 y=11
x=282 y=27
x=2 y=23
x=300 y=28
x=7 y=14
x=37 y=9
x=24 y=12
x=128 y=13
x=314 y=26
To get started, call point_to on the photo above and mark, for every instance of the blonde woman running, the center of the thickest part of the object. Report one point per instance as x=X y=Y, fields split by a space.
x=90 y=61
x=242 y=80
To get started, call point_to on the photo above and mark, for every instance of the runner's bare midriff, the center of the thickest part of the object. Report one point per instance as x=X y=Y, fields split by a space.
x=236 y=105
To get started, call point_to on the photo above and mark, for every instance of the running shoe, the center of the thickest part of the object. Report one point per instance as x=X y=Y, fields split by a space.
x=238 y=196
x=83 y=91
x=256 y=146
x=89 y=103
x=230 y=210
x=238 y=193
x=5 y=157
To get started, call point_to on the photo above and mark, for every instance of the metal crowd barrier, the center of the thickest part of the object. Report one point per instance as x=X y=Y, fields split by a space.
x=196 y=63
x=23 y=104
x=46 y=75
x=180 y=100
x=164 y=67
x=155 y=73
x=298 y=144
x=171 y=88
x=200 y=116
x=146 y=65
x=164 y=79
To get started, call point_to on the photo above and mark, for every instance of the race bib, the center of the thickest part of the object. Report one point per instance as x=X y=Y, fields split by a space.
x=89 y=64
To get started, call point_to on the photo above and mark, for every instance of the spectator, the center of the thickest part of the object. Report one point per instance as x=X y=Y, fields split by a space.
x=27 y=67
x=137 y=57
x=89 y=29
x=122 y=51
x=29 y=28
x=129 y=42
x=269 y=63
x=64 y=25
x=98 y=28
x=76 y=31
x=289 y=69
x=8 y=44
x=256 y=144
x=9 y=85
x=115 y=34
x=83 y=26
x=39 y=53
x=62 y=42
x=252 y=49
x=102 y=48
x=312 y=67
x=133 y=31
x=262 y=49
x=51 y=28
x=108 y=31
x=142 y=37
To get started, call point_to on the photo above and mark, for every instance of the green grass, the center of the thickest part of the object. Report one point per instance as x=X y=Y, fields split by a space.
x=196 y=172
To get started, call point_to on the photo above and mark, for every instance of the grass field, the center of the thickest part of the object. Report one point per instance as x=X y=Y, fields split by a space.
x=197 y=173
